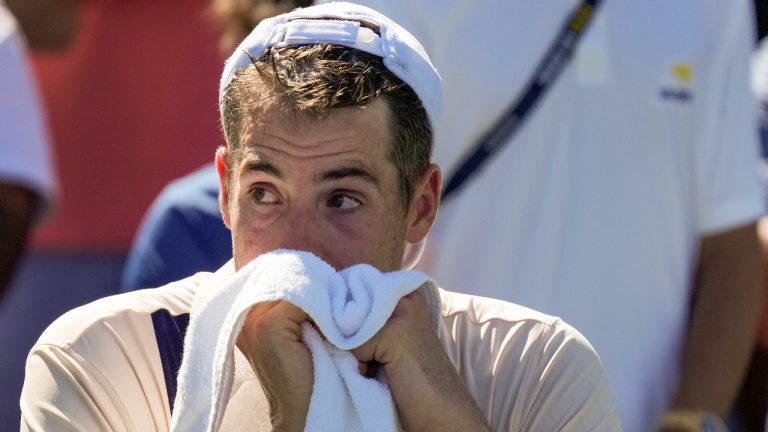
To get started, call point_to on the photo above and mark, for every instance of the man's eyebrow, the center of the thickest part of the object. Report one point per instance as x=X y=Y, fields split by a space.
x=263 y=166
x=341 y=173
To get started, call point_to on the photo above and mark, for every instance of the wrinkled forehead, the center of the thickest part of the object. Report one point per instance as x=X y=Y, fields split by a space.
x=257 y=95
x=368 y=126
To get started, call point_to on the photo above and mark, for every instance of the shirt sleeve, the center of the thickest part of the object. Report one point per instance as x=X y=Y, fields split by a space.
x=728 y=188
x=62 y=393
x=570 y=390
x=527 y=371
x=96 y=368
x=25 y=154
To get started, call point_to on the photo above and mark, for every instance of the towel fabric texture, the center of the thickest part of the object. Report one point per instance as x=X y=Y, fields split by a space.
x=347 y=307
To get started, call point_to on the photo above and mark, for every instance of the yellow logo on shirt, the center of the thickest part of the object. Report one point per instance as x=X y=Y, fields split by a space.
x=682 y=72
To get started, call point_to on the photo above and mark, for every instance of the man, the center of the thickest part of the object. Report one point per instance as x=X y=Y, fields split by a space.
x=327 y=113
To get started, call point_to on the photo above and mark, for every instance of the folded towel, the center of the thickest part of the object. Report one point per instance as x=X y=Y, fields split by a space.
x=348 y=308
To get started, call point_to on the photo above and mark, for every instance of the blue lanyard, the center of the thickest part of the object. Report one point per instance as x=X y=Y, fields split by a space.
x=548 y=70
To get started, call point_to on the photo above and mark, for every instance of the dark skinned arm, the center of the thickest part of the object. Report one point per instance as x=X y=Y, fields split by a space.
x=725 y=315
x=17 y=212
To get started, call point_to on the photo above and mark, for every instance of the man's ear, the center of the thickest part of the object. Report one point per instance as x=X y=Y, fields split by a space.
x=424 y=204
x=222 y=156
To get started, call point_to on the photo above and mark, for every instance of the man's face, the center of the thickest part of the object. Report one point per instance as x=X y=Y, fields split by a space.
x=324 y=186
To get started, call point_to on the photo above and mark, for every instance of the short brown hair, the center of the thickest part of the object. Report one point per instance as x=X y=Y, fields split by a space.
x=315 y=79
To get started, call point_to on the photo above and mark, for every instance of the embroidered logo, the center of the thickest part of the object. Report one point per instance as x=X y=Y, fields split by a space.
x=683 y=72
x=679 y=87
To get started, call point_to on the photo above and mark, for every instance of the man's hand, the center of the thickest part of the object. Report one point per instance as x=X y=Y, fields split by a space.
x=271 y=340
x=428 y=392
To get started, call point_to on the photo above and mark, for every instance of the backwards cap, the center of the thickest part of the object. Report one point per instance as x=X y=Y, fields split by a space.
x=339 y=24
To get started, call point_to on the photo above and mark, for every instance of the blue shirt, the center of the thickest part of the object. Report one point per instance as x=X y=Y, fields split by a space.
x=181 y=234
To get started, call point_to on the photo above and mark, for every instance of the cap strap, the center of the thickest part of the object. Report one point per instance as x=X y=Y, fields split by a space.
x=347 y=33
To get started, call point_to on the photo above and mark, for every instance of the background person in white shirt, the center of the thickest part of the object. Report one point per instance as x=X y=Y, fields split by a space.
x=626 y=201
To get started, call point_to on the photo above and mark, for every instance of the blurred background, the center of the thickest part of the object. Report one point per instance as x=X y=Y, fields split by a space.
x=128 y=98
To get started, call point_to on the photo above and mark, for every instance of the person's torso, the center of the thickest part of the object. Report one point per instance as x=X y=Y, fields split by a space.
x=594 y=210
x=124 y=354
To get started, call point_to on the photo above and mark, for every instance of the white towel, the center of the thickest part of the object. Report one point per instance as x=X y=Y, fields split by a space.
x=348 y=307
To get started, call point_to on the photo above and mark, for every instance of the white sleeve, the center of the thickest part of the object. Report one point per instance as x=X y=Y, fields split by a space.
x=62 y=393
x=728 y=188
x=25 y=157
x=571 y=391
x=96 y=368
x=527 y=371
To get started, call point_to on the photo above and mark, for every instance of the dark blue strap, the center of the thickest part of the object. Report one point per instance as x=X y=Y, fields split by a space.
x=762 y=116
x=554 y=61
x=169 y=334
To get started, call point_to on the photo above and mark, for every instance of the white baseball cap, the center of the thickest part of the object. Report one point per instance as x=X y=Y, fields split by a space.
x=339 y=24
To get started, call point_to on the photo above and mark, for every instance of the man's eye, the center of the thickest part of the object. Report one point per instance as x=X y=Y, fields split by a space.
x=263 y=196
x=343 y=202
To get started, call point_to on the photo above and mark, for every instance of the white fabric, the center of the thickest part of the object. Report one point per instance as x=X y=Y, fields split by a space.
x=759 y=79
x=400 y=52
x=759 y=71
x=348 y=308
x=98 y=367
x=25 y=157
x=594 y=211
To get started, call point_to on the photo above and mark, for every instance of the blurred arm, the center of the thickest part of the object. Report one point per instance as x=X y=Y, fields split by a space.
x=17 y=210
x=725 y=315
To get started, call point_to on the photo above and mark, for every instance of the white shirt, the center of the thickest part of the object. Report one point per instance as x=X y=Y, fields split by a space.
x=594 y=211
x=99 y=368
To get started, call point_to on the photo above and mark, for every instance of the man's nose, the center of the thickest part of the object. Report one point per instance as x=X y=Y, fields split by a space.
x=302 y=230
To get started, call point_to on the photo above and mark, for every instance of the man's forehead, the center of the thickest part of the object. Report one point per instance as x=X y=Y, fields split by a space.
x=273 y=122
